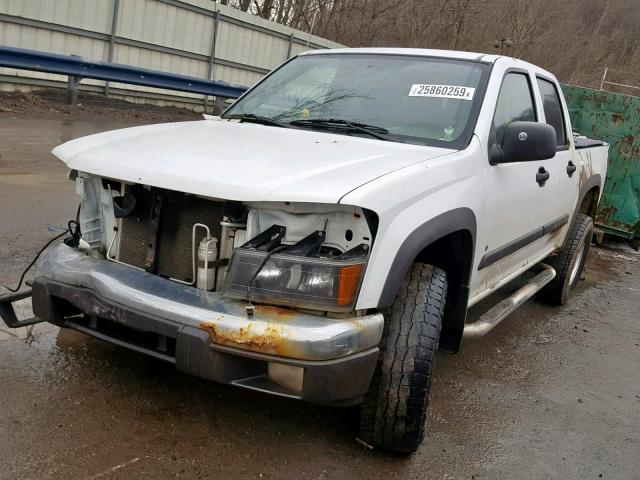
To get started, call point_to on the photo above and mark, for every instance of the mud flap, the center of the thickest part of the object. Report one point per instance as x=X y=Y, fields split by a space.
x=7 y=312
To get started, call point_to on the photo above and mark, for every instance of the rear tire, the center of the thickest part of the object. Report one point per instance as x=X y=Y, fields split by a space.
x=569 y=262
x=394 y=411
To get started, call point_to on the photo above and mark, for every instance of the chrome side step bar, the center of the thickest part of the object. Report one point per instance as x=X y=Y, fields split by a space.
x=502 y=310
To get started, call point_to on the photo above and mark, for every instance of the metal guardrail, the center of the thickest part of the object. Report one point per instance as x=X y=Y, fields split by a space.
x=77 y=68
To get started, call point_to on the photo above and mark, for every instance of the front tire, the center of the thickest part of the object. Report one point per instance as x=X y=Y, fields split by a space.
x=569 y=262
x=394 y=411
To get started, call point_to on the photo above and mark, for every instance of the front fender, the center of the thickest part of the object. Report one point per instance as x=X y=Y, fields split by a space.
x=459 y=219
x=417 y=205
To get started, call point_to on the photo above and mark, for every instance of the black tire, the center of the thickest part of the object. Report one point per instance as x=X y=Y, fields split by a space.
x=394 y=411
x=569 y=262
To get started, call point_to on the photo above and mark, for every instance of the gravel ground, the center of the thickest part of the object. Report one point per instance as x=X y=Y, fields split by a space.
x=552 y=393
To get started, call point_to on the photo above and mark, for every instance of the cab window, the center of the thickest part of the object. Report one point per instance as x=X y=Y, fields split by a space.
x=553 y=109
x=515 y=104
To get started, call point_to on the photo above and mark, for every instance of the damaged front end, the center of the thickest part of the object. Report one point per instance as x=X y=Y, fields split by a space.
x=258 y=294
x=300 y=255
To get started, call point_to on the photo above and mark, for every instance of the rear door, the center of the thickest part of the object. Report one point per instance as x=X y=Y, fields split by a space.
x=517 y=207
x=564 y=170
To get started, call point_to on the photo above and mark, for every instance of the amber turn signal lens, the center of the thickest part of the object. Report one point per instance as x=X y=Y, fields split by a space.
x=349 y=281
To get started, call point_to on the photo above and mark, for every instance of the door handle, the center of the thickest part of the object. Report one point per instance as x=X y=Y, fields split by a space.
x=542 y=176
x=571 y=168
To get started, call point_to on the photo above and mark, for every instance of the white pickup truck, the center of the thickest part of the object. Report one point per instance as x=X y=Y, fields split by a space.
x=326 y=235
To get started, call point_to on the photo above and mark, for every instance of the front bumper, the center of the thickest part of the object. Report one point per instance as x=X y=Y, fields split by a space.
x=206 y=334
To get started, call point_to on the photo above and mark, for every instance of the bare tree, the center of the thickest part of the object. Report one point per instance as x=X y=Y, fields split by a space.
x=572 y=38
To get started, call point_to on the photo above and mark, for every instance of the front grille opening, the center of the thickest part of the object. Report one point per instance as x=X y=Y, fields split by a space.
x=108 y=330
x=171 y=241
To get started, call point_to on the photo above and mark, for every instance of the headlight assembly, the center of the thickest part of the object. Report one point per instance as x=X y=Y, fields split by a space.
x=284 y=275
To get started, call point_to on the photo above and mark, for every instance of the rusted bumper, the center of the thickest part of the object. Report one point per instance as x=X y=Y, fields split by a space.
x=206 y=334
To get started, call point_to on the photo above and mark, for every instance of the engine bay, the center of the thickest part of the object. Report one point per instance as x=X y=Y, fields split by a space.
x=303 y=255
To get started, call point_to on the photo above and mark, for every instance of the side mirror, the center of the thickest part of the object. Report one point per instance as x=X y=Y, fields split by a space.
x=525 y=142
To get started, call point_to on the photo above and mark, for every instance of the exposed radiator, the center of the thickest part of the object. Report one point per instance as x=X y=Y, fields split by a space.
x=178 y=213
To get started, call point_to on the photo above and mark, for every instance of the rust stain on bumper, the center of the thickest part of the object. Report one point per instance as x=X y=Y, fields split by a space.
x=277 y=313
x=271 y=339
x=265 y=335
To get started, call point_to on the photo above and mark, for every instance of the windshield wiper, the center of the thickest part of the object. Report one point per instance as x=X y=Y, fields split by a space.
x=252 y=118
x=372 y=130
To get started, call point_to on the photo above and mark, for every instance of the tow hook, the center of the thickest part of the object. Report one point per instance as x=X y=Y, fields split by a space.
x=7 y=312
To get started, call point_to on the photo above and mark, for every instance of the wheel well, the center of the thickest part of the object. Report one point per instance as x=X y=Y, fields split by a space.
x=452 y=253
x=589 y=205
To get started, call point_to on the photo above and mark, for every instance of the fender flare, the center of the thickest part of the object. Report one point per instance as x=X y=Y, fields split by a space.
x=594 y=180
x=420 y=238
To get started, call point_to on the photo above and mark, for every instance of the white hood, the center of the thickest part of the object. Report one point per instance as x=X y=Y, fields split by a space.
x=241 y=161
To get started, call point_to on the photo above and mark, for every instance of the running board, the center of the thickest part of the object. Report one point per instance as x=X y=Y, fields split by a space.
x=502 y=310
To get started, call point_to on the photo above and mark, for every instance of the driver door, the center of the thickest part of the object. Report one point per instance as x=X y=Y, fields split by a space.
x=517 y=206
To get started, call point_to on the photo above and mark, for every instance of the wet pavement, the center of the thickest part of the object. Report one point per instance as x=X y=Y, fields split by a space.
x=551 y=393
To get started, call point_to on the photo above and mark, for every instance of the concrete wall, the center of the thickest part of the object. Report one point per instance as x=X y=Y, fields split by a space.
x=199 y=38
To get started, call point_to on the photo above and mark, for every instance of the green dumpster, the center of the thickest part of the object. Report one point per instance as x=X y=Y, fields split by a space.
x=614 y=118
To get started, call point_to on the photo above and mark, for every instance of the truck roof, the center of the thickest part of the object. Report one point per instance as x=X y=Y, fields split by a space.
x=428 y=52
x=424 y=52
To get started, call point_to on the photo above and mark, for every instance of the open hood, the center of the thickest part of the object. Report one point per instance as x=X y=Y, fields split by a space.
x=241 y=161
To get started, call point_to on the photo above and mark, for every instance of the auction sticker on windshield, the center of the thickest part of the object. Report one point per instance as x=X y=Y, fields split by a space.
x=442 y=91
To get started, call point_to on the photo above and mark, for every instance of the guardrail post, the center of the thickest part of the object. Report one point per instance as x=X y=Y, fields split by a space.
x=212 y=56
x=290 y=46
x=218 y=105
x=72 y=89
x=112 y=39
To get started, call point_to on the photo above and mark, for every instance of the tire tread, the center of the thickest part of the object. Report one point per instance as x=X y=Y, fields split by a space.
x=394 y=411
x=555 y=292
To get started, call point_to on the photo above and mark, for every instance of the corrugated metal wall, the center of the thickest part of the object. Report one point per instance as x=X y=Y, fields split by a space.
x=199 y=38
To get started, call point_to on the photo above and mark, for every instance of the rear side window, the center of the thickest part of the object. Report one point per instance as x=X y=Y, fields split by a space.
x=515 y=104
x=553 y=109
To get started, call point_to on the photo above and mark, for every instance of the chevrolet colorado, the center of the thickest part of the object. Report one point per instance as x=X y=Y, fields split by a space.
x=328 y=233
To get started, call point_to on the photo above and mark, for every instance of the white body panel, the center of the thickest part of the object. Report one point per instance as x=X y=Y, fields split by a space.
x=413 y=196
x=241 y=161
x=515 y=204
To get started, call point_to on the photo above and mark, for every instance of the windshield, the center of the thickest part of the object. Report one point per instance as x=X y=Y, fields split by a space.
x=422 y=100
